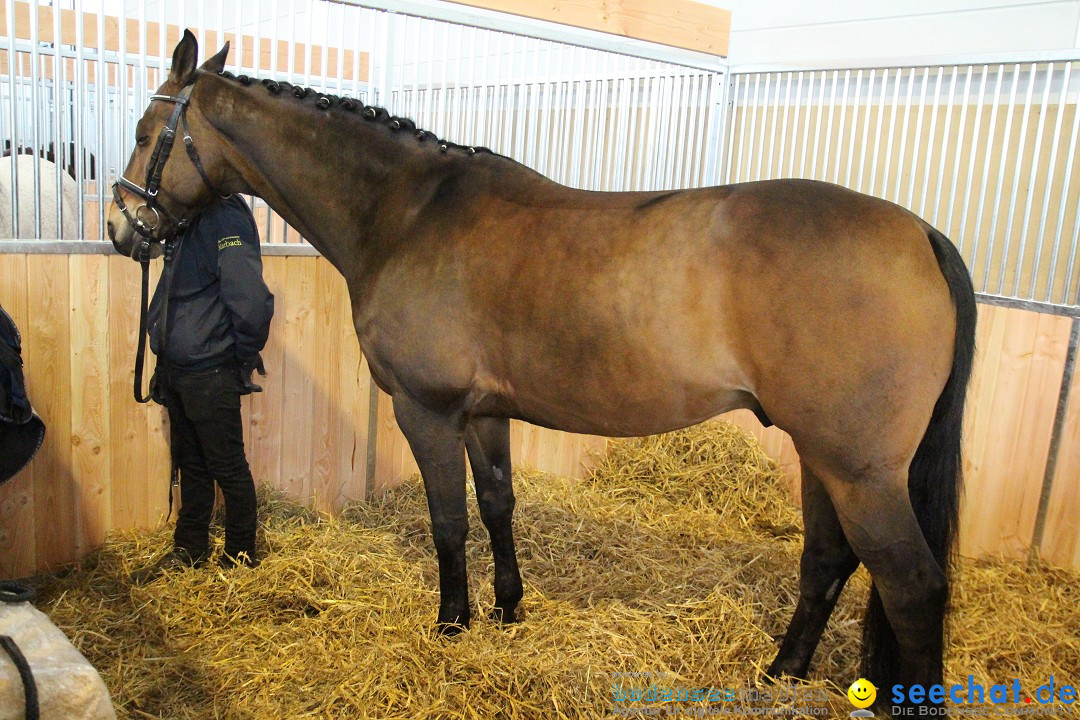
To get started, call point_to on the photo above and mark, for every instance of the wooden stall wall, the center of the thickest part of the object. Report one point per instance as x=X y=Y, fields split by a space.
x=104 y=464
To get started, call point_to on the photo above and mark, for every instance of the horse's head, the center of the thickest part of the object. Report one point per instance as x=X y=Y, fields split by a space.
x=167 y=181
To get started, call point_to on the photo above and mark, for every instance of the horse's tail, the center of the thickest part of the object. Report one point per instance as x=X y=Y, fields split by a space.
x=934 y=478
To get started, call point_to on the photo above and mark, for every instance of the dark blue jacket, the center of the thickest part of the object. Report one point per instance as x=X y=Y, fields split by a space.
x=219 y=307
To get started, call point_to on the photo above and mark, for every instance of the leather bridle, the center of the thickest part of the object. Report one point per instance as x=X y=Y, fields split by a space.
x=149 y=228
x=162 y=149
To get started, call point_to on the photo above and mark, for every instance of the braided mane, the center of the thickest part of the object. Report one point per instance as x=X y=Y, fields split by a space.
x=369 y=113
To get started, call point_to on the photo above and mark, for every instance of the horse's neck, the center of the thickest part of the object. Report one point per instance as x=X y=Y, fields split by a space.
x=325 y=172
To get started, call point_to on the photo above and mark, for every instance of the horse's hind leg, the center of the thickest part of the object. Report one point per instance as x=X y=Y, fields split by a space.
x=827 y=562
x=905 y=646
x=488 y=443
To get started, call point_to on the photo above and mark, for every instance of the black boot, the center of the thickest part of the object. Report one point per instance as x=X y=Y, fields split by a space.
x=177 y=560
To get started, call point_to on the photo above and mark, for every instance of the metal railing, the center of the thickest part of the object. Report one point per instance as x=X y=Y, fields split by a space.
x=573 y=105
x=986 y=152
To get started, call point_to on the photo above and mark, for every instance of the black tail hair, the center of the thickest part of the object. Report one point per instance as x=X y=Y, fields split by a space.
x=935 y=475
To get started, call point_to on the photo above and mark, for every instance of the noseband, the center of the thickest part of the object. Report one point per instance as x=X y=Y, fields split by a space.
x=151 y=209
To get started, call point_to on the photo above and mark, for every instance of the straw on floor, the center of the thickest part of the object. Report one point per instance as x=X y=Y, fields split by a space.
x=678 y=558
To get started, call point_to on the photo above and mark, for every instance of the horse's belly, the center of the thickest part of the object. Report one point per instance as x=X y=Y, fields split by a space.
x=636 y=396
x=620 y=419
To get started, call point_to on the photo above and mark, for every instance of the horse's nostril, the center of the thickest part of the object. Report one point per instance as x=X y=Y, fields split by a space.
x=112 y=229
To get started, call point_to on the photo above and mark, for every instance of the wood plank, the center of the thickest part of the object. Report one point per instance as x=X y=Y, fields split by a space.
x=326 y=383
x=680 y=23
x=395 y=463
x=153 y=501
x=1014 y=390
x=46 y=354
x=127 y=419
x=90 y=381
x=354 y=384
x=18 y=551
x=301 y=356
x=1061 y=539
x=264 y=451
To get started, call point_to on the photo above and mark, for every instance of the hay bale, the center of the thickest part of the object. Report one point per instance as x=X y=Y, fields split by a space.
x=622 y=575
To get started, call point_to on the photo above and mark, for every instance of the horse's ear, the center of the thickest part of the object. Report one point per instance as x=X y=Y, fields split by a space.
x=217 y=63
x=184 y=58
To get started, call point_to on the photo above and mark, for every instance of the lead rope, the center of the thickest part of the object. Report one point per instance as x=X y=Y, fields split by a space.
x=172 y=251
x=15 y=593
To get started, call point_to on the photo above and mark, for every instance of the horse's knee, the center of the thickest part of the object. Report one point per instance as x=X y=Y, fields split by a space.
x=449 y=534
x=823 y=572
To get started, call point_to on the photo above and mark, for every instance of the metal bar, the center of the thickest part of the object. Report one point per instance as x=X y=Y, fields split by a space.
x=632 y=136
x=929 y=154
x=1059 y=230
x=339 y=47
x=1060 y=309
x=561 y=162
x=1016 y=175
x=806 y=128
x=1030 y=201
x=854 y=122
x=971 y=172
x=747 y=108
x=713 y=127
x=102 y=105
x=757 y=171
x=866 y=127
x=35 y=118
x=946 y=141
x=985 y=179
x=601 y=181
x=768 y=173
x=77 y=114
x=699 y=129
x=308 y=60
x=1044 y=213
x=784 y=128
x=13 y=84
x=1039 y=531
x=892 y=127
x=902 y=155
x=826 y=158
x=238 y=42
x=961 y=129
x=663 y=123
x=59 y=149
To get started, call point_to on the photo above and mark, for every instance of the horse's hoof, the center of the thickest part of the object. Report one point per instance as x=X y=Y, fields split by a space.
x=450 y=629
x=504 y=616
x=778 y=671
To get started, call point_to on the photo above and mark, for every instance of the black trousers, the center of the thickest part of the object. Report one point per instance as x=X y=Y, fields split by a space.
x=208 y=446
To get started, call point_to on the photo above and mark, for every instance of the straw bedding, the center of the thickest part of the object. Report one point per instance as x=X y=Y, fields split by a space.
x=678 y=557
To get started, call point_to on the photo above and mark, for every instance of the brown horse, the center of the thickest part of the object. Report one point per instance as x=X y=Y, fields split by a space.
x=482 y=291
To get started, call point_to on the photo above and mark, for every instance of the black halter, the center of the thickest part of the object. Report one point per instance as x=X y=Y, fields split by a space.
x=150 y=227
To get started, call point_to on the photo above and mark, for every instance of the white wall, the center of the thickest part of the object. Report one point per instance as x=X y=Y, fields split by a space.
x=821 y=33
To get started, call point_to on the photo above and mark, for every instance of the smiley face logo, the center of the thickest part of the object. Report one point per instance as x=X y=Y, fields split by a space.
x=862 y=693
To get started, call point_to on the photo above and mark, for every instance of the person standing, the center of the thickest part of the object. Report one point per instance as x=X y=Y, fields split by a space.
x=219 y=313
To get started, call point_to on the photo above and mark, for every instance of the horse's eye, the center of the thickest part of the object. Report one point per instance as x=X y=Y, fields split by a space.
x=142 y=140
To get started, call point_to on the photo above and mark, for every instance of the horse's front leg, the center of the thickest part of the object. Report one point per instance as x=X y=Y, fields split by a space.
x=437 y=442
x=487 y=441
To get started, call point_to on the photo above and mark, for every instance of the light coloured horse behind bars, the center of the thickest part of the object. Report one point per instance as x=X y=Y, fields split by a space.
x=47 y=172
